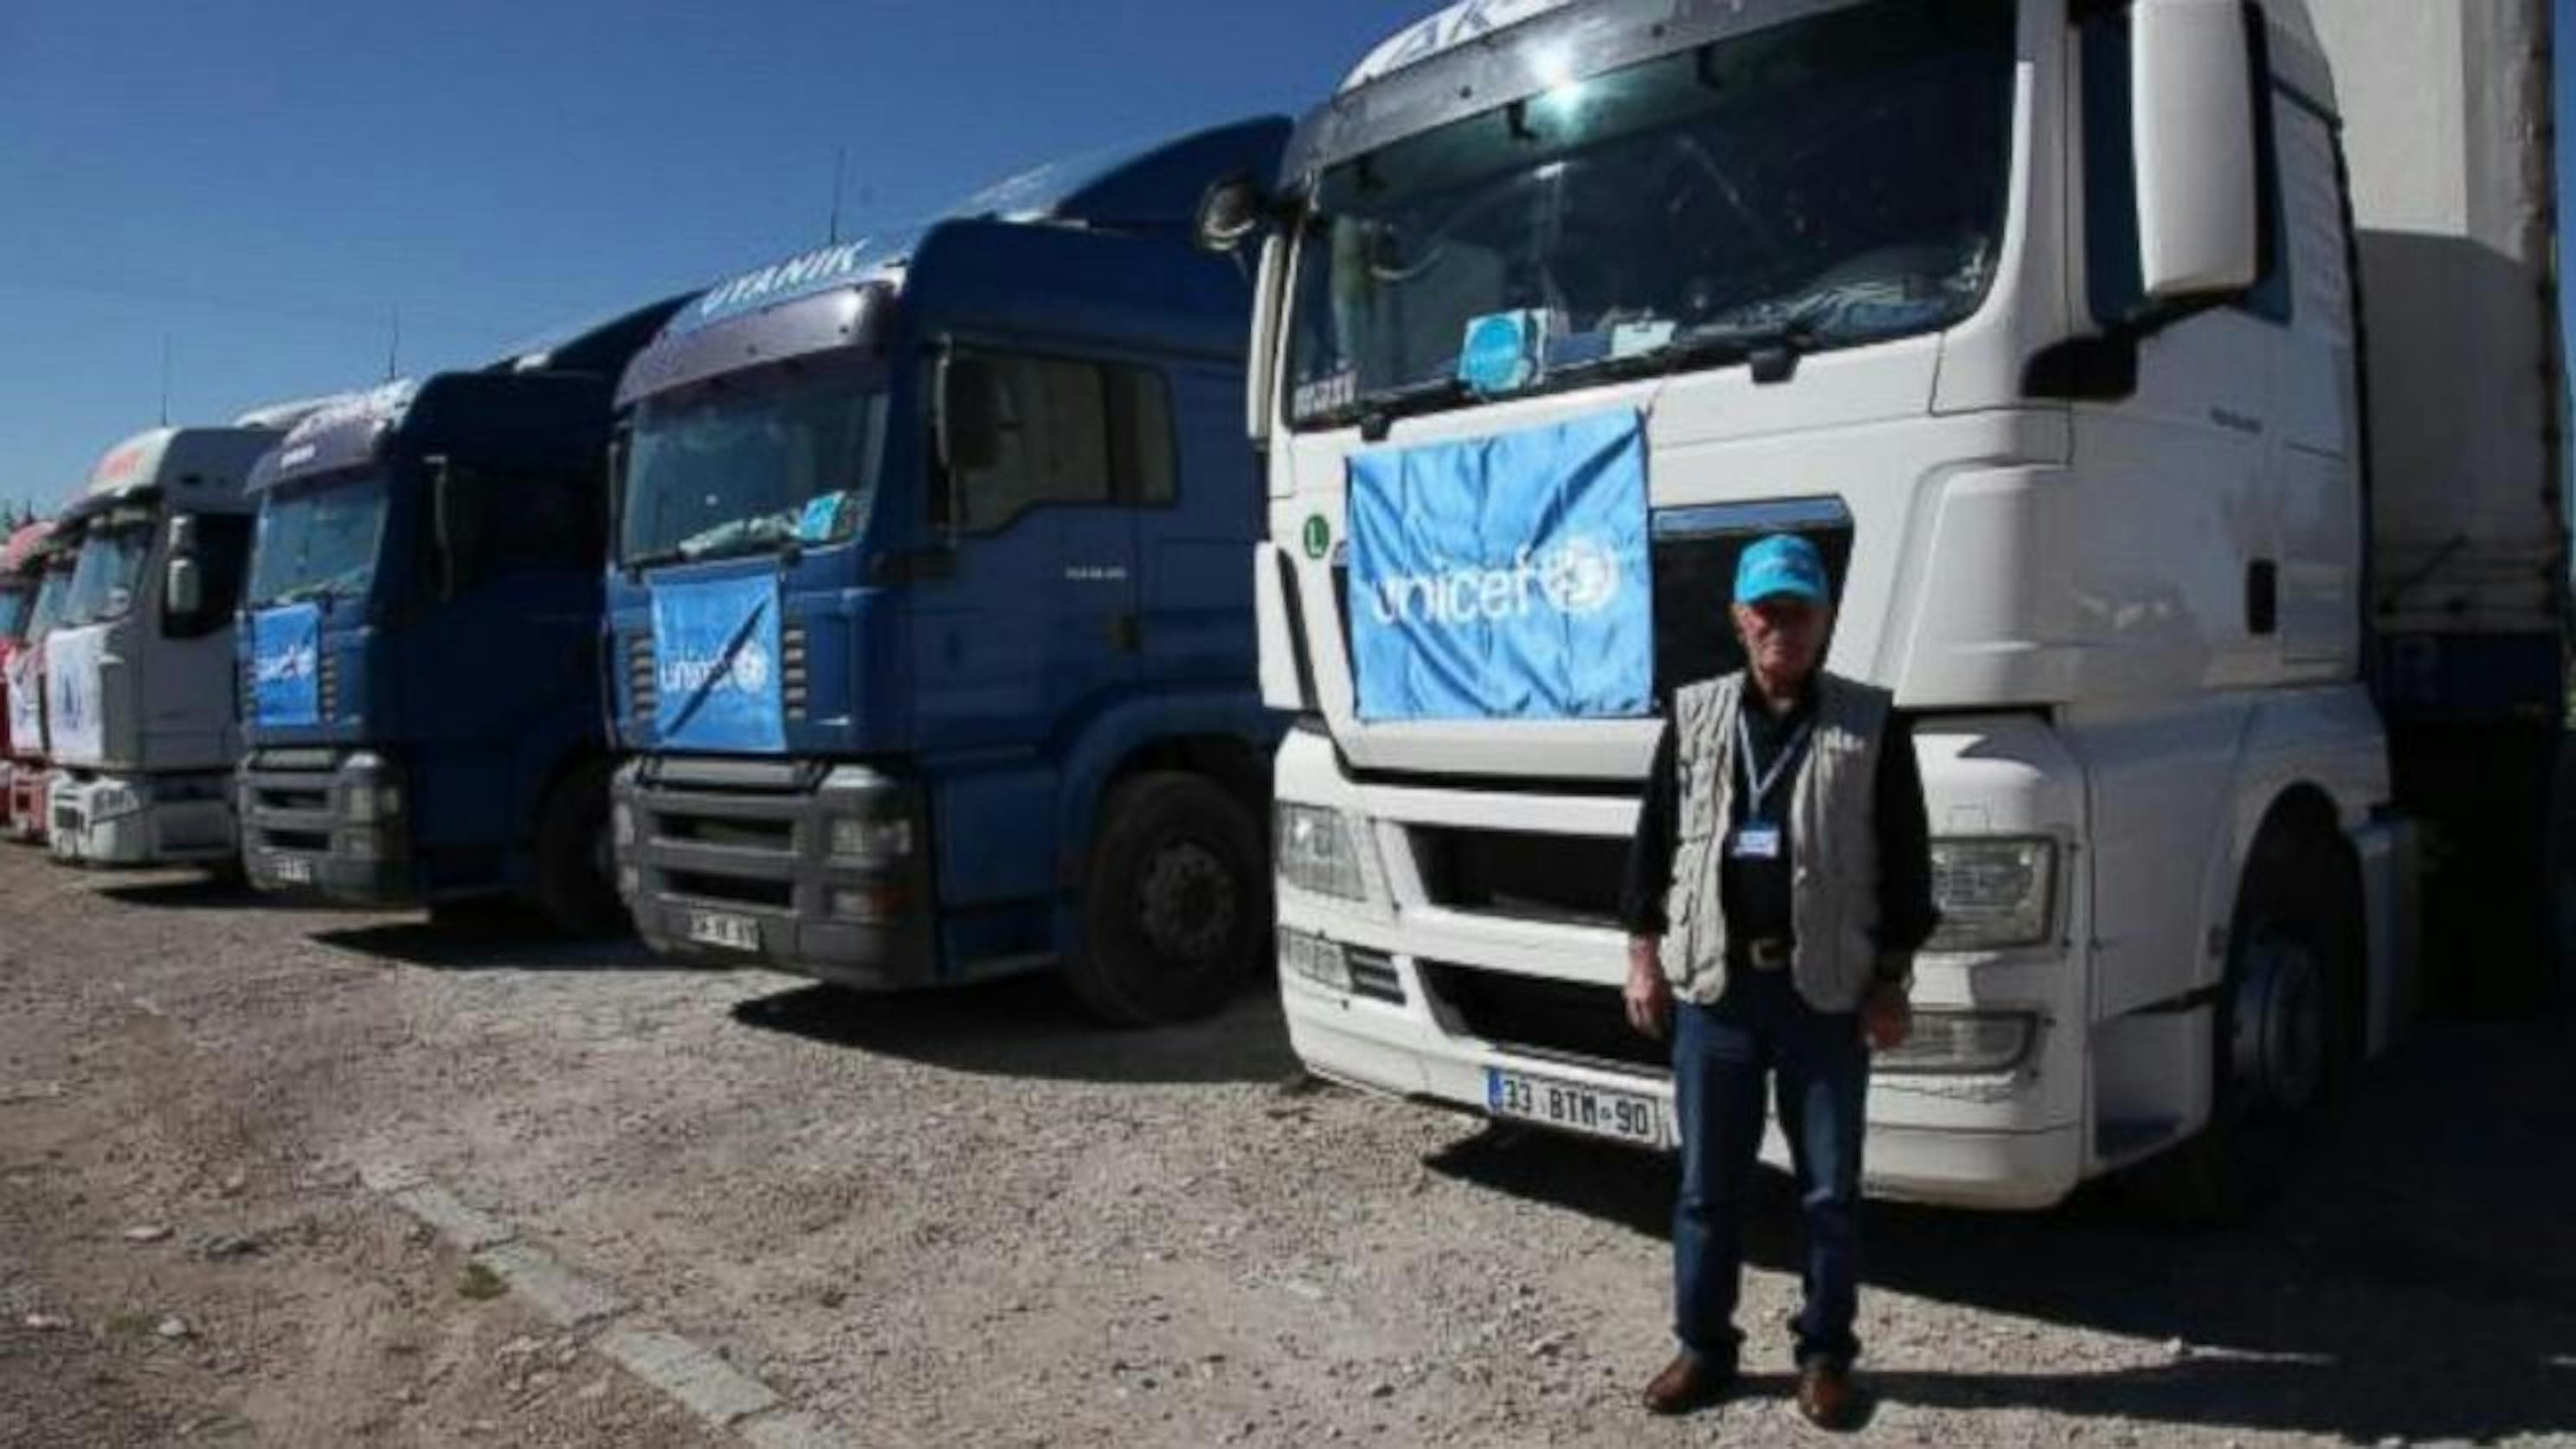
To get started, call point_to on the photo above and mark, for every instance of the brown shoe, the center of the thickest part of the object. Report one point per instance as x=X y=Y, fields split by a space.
x=1687 y=1384
x=1826 y=1396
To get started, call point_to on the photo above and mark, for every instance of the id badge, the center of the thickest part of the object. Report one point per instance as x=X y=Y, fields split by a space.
x=1756 y=842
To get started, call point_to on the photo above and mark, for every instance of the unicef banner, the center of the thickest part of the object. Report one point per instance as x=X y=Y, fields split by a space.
x=1504 y=577
x=715 y=650
x=76 y=728
x=26 y=707
x=285 y=665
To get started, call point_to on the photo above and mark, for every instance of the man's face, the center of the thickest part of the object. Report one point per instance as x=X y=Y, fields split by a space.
x=1783 y=635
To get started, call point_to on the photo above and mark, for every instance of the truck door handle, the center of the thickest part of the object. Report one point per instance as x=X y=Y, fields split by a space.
x=2262 y=597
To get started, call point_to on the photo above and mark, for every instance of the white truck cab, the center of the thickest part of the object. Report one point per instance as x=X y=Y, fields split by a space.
x=2041 y=318
x=139 y=679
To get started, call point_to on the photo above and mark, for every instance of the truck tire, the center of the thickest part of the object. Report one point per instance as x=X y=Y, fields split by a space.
x=2288 y=1035
x=576 y=871
x=1175 y=904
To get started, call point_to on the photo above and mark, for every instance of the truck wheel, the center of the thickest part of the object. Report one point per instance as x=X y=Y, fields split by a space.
x=2288 y=1034
x=576 y=866
x=1175 y=904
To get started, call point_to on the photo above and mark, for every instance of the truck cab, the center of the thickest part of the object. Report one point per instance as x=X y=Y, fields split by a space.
x=22 y=580
x=140 y=729
x=422 y=698
x=2042 y=319
x=934 y=652
x=48 y=562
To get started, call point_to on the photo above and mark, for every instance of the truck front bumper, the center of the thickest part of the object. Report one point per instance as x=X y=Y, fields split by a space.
x=326 y=825
x=1437 y=993
x=807 y=866
x=131 y=820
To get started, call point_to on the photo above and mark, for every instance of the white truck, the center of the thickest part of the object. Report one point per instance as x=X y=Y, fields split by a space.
x=2223 y=578
x=140 y=692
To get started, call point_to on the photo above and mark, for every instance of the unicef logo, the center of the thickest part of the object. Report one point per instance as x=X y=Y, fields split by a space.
x=1581 y=577
x=747 y=672
x=294 y=664
x=751 y=668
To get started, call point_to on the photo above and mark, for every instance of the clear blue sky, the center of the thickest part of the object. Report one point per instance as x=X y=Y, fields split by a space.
x=265 y=181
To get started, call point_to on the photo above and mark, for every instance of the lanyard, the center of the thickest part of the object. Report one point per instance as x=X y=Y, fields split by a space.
x=1758 y=788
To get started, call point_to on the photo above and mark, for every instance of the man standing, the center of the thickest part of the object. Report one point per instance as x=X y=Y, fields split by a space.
x=1780 y=885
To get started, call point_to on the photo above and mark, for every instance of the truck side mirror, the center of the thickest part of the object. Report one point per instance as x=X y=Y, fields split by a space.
x=457 y=498
x=968 y=416
x=2192 y=98
x=183 y=589
x=1229 y=212
x=620 y=447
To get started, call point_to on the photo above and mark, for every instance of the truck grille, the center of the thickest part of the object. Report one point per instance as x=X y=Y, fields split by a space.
x=643 y=688
x=327 y=685
x=792 y=671
x=1568 y=1020
x=1373 y=974
x=725 y=830
x=1560 y=878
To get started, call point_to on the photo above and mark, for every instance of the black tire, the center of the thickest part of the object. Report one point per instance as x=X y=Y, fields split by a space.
x=1175 y=906
x=2288 y=1025
x=576 y=871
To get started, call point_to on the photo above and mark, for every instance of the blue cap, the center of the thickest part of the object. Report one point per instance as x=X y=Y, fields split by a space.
x=1782 y=563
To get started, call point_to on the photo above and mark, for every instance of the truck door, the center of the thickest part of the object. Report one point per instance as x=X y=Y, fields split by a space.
x=1197 y=500
x=1038 y=608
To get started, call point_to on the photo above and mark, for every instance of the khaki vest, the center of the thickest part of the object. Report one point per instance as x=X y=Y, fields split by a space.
x=1833 y=842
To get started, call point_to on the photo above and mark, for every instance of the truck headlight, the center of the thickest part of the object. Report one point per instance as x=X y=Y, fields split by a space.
x=1962 y=1043
x=868 y=814
x=1316 y=852
x=368 y=793
x=856 y=838
x=1993 y=892
x=1315 y=959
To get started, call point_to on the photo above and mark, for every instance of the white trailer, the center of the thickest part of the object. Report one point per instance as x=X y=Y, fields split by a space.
x=2041 y=317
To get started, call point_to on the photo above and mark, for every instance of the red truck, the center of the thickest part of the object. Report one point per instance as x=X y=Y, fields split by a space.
x=34 y=571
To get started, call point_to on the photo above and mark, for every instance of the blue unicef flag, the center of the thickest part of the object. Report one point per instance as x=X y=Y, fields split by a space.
x=715 y=651
x=286 y=665
x=1504 y=577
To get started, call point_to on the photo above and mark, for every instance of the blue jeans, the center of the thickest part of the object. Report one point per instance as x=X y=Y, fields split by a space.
x=1722 y=1055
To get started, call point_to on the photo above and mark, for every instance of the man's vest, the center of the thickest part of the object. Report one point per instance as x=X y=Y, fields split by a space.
x=1833 y=841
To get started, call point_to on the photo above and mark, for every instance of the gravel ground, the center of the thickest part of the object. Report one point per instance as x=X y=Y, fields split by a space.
x=972 y=1218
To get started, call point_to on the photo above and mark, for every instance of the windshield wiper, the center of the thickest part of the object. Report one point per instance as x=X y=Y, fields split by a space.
x=727 y=537
x=1377 y=412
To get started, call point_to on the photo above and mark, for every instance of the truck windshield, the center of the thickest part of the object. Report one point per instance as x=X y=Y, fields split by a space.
x=109 y=570
x=318 y=542
x=740 y=469
x=17 y=601
x=1818 y=184
x=49 y=601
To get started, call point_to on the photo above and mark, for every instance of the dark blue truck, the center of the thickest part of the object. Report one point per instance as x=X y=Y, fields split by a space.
x=422 y=695
x=932 y=601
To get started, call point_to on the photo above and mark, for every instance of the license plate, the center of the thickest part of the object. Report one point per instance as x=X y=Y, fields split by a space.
x=291 y=869
x=717 y=928
x=1601 y=1112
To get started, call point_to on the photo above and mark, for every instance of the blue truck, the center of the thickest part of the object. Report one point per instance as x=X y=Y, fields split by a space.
x=932 y=607
x=422 y=692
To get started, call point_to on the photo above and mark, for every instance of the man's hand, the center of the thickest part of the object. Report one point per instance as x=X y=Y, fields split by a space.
x=1886 y=1017
x=1648 y=995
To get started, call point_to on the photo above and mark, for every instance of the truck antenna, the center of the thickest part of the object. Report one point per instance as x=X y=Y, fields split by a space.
x=840 y=163
x=393 y=346
x=165 y=379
